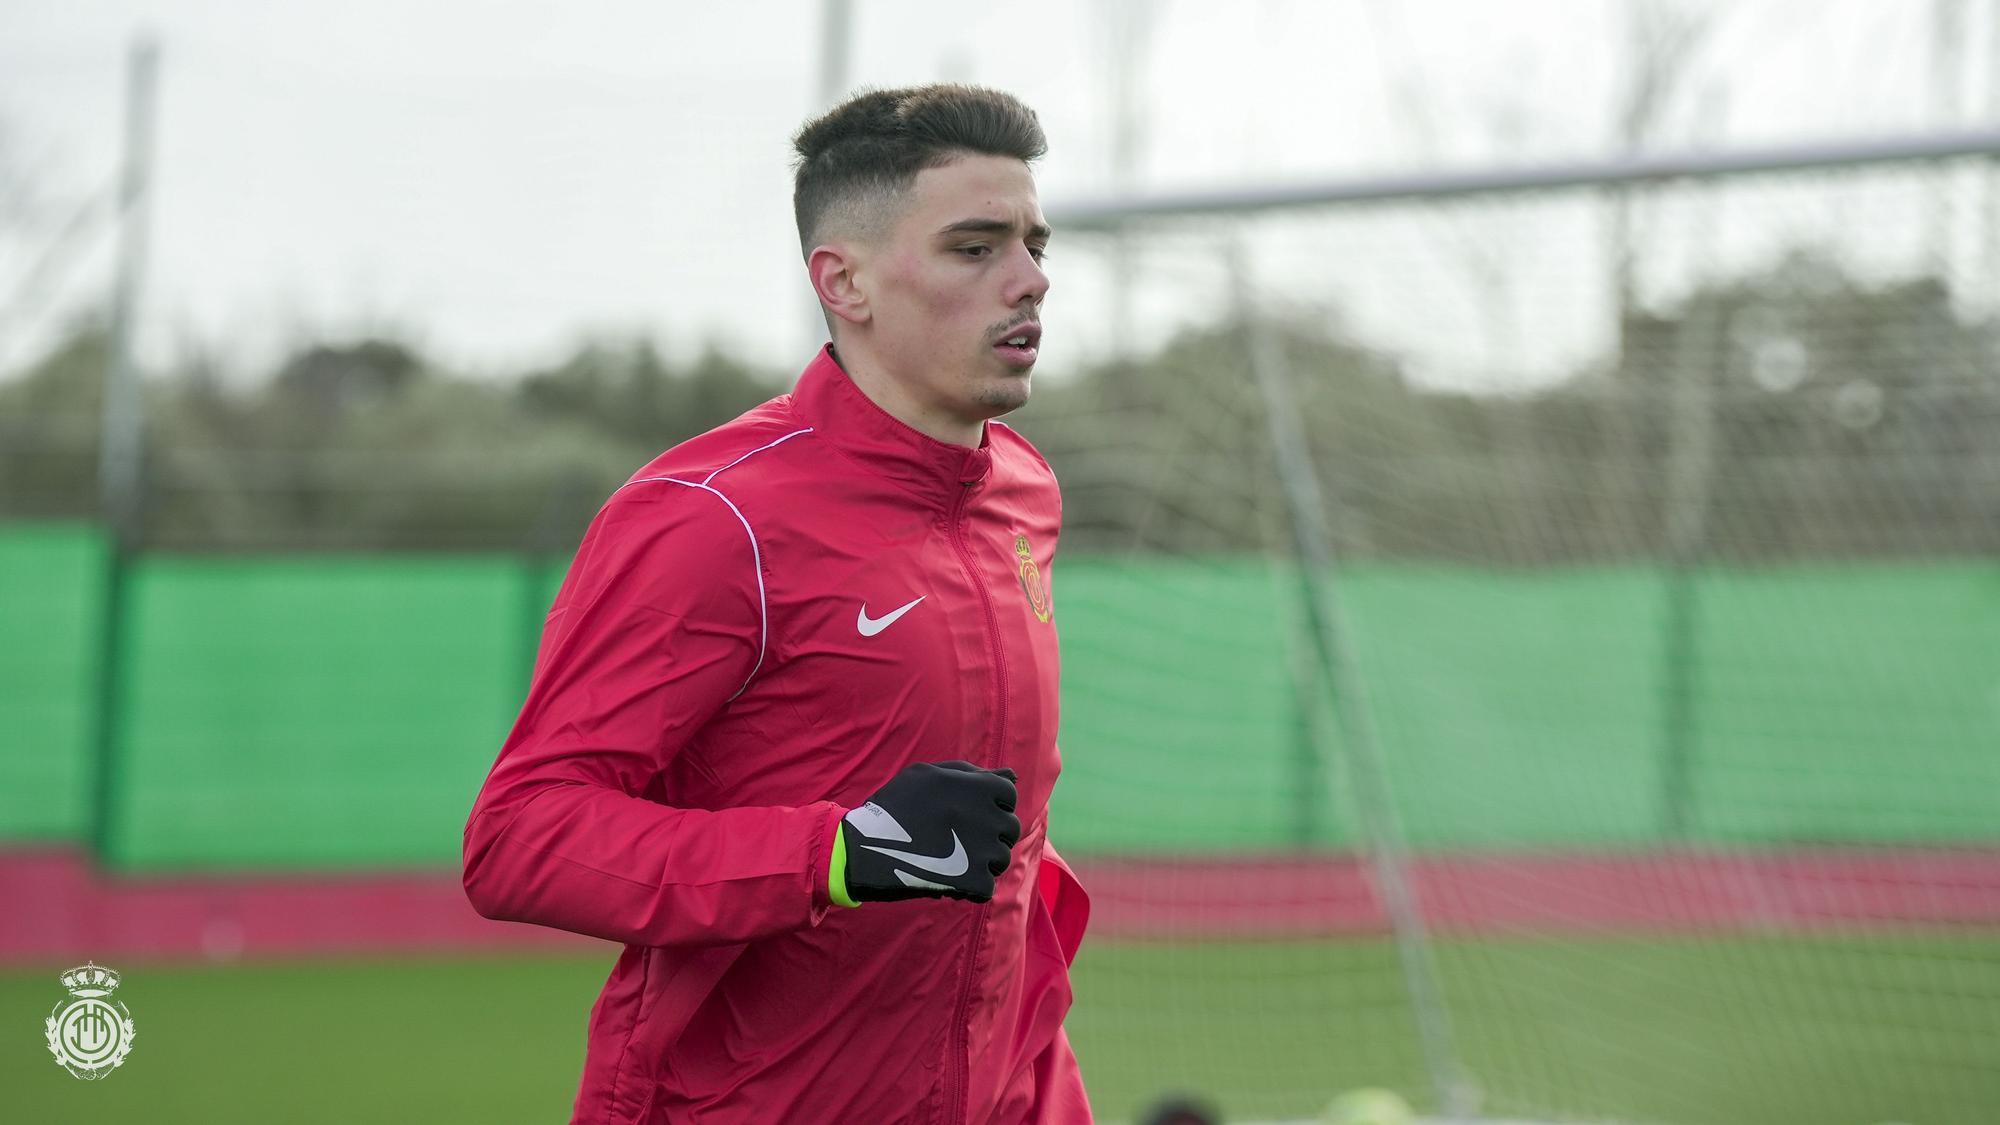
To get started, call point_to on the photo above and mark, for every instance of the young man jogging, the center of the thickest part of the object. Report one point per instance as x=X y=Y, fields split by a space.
x=791 y=734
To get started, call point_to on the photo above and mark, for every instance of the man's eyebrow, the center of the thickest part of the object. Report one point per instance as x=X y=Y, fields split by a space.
x=994 y=226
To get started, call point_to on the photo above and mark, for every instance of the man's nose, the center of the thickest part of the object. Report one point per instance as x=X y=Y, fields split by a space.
x=1028 y=281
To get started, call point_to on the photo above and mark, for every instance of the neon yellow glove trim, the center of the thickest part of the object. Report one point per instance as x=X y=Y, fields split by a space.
x=836 y=875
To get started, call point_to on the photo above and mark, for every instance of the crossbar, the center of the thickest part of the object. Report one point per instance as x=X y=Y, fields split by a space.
x=1639 y=168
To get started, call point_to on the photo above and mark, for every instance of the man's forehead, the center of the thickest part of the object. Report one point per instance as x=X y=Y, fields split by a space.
x=977 y=189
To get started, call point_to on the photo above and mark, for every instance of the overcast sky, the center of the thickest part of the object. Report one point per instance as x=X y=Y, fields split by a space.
x=496 y=181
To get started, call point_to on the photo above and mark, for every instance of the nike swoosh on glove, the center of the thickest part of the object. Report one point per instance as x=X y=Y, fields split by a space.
x=936 y=830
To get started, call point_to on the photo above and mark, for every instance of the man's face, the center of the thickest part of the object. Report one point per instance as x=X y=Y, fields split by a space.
x=958 y=274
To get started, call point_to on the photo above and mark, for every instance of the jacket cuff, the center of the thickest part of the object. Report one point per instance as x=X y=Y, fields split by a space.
x=836 y=876
x=819 y=863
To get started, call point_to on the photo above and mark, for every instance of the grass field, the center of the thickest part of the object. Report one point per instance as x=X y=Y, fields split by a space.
x=1691 y=1031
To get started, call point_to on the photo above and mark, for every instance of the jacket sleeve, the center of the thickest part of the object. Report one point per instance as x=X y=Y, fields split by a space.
x=659 y=623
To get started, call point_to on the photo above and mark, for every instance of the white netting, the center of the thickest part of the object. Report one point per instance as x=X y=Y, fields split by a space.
x=1662 y=571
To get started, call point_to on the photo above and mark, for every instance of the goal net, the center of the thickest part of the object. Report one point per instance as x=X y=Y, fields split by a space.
x=1532 y=647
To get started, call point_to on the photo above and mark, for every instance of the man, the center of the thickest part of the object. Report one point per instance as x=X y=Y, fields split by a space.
x=791 y=735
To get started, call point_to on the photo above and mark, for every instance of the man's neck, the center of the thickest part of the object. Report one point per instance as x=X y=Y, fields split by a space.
x=888 y=394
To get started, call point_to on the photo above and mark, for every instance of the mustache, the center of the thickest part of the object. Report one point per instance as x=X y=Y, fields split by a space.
x=1008 y=329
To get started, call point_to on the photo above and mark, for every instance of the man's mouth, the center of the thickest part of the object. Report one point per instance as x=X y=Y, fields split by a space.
x=1018 y=347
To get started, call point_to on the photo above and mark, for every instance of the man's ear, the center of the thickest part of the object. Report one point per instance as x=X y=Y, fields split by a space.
x=833 y=268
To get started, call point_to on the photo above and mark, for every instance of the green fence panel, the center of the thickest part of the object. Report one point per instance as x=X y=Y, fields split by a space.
x=51 y=625
x=1179 y=723
x=1514 y=709
x=309 y=712
x=1526 y=709
x=1857 y=703
x=323 y=712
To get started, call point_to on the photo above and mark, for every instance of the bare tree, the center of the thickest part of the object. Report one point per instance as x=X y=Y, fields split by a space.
x=1664 y=41
x=44 y=234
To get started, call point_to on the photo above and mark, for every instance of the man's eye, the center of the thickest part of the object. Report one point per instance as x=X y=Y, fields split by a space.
x=972 y=251
x=1040 y=254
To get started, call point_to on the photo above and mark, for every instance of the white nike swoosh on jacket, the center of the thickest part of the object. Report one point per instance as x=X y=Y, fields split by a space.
x=870 y=626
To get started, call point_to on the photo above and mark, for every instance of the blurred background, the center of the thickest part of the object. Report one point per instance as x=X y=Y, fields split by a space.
x=1529 y=593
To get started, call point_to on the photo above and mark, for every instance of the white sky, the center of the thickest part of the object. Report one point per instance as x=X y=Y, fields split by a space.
x=495 y=181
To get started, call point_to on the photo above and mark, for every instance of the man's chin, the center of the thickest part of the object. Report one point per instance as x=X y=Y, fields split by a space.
x=1003 y=397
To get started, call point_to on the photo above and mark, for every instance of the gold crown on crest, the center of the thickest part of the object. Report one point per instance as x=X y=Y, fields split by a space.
x=91 y=980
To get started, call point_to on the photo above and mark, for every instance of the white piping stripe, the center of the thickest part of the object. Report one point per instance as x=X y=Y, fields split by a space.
x=756 y=557
x=759 y=449
x=756 y=554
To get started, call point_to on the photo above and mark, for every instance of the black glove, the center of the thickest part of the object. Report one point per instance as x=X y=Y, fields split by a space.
x=937 y=830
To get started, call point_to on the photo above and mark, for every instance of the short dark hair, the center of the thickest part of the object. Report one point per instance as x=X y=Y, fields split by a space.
x=872 y=146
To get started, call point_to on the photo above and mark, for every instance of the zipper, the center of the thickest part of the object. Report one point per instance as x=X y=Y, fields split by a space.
x=961 y=1029
x=961 y=1032
x=992 y=620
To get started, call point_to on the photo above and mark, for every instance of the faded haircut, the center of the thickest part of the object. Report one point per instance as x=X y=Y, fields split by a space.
x=855 y=162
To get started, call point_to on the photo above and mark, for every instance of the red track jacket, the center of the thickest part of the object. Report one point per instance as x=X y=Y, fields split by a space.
x=723 y=675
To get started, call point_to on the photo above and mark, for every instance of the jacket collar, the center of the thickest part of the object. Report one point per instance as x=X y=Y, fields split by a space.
x=842 y=415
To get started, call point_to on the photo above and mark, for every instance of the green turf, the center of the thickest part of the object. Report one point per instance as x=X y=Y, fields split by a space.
x=1690 y=1031
x=404 y=1040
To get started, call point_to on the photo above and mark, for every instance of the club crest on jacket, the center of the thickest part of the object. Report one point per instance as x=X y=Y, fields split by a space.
x=1031 y=579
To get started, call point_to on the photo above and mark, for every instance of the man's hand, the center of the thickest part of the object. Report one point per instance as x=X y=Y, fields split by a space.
x=937 y=830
